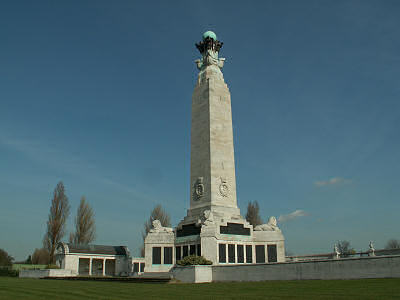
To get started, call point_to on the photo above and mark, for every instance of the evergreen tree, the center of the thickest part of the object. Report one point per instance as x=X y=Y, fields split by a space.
x=253 y=214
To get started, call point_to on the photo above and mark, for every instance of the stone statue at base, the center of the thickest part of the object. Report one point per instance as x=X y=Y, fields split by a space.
x=371 y=249
x=207 y=218
x=157 y=227
x=336 y=251
x=270 y=226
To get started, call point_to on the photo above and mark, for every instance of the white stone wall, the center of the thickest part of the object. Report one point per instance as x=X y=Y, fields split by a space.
x=271 y=238
x=158 y=239
x=193 y=274
x=349 y=268
x=70 y=261
x=139 y=260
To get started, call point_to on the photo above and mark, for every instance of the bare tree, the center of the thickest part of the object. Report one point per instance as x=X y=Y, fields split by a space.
x=40 y=257
x=59 y=212
x=392 y=244
x=253 y=214
x=85 y=227
x=345 y=248
x=158 y=213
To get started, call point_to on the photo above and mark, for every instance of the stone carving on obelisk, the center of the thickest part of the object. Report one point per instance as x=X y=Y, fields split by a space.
x=212 y=169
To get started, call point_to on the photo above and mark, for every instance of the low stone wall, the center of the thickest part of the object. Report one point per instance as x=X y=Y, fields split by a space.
x=348 y=268
x=46 y=273
x=193 y=274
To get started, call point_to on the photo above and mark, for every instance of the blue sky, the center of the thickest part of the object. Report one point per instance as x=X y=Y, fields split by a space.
x=98 y=94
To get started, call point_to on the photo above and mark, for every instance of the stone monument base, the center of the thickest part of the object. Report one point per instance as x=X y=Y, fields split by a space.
x=220 y=239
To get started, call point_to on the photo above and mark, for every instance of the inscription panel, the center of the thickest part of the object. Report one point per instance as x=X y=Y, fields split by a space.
x=272 y=253
x=240 y=254
x=222 y=253
x=168 y=255
x=156 y=255
x=260 y=254
x=249 y=254
x=234 y=228
x=190 y=229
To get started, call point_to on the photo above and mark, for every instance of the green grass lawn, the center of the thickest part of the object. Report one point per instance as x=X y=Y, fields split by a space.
x=16 y=288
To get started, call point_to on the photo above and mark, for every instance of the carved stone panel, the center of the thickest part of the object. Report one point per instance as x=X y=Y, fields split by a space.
x=198 y=189
x=224 y=188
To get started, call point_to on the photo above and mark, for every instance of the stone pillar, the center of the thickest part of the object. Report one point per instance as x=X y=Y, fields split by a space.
x=208 y=244
x=90 y=266
x=212 y=164
x=104 y=267
x=158 y=237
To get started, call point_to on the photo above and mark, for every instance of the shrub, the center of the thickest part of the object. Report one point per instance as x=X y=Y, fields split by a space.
x=194 y=260
x=8 y=271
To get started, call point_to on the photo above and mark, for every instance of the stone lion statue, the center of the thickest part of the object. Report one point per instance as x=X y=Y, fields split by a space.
x=270 y=226
x=208 y=217
x=157 y=227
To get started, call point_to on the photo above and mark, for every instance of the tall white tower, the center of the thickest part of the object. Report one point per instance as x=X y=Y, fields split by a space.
x=212 y=168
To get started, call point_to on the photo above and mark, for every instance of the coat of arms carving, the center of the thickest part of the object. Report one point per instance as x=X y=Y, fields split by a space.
x=198 y=189
x=223 y=188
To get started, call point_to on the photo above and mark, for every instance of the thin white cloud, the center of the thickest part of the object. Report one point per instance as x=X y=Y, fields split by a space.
x=46 y=153
x=60 y=160
x=332 y=181
x=293 y=215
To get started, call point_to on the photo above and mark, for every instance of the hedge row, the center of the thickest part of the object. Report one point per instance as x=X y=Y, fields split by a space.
x=8 y=271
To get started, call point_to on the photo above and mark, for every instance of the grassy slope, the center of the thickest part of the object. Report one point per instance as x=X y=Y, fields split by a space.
x=15 y=288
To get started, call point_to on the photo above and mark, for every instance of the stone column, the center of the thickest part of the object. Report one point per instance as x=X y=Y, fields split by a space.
x=104 y=267
x=236 y=258
x=90 y=266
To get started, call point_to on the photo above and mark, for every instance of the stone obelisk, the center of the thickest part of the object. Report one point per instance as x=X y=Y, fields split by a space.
x=212 y=169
